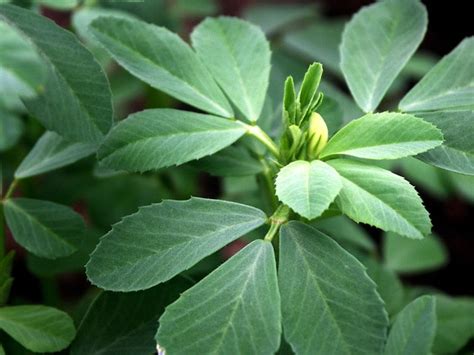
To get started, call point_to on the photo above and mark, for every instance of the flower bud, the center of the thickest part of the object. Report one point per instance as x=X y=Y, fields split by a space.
x=317 y=135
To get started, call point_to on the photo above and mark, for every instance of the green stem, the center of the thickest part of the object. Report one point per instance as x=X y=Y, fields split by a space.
x=268 y=184
x=278 y=218
x=10 y=190
x=263 y=138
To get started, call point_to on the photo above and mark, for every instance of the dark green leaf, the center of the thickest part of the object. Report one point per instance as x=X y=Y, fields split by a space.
x=449 y=84
x=76 y=100
x=238 y=56
x=414 y=328
x=162 y=240
x=44 y=228
x=161 y=59
x=376 y=45
x=380 y=198
x=329 y=304
x=457 y=152
x=38 y=328
x=51 y=152
x=154 y=139
x=234 y=310
x=125 y=323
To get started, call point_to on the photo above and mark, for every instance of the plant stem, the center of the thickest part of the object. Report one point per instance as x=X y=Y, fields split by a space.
x=263 y=138
x=277 y=219
x=268 y=184
x=11 y=189
x=9 y=193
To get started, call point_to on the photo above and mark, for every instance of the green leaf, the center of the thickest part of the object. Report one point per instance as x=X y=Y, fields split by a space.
x=385 y=135
x=5 y=276
x=380 y=198
x=307 y=96
x=161 y=59
x=414 y=328
x=44 y=228
x=59 y=4
x=388 y=284
x=332 y=113
x=457 y=152
x=76 y=99
x=329 y=304
x=376 y=45
x=11 y=128
x=21 y=68
x=162 y=240
x=449 y=84
x=238 y=56
x=308 y=187
x=51 y=152
x=455 y=324
x=38 y=328
x=119 y=323
x=234 y=310
x=231 y=161
x=158 y=138
x=345 y=231
x=410 y=256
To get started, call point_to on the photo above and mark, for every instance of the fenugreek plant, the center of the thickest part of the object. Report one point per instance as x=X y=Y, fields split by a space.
x=295 y=288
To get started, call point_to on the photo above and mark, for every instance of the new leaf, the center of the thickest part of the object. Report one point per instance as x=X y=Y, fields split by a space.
x=308 y=187
x=384 y=136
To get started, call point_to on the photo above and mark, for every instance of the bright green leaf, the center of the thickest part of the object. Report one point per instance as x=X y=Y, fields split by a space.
x=44 y=228
x=329 y=304
x=162 y=240
x=385 y=135
x=414 y=329
x=449 y=84
x=76 y=99
x=119 y=323
x=308 y=187
x=455 y=323
x=457 y=152
x=11 y=128
x=38 y=328
x=238 y=56
x=380 y=198
x=161 y=59
x=231 y=161
x=410 y=256
x=51 y=152
x=158 y=138
x=22 y=71
x=234 y=310
x=376 y=45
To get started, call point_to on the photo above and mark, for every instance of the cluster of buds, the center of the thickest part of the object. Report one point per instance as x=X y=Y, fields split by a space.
x=306 y=133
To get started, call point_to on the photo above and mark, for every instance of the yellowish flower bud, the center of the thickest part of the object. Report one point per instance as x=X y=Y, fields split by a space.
x=317 y=135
